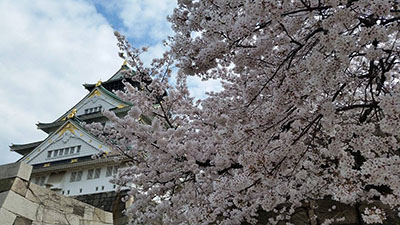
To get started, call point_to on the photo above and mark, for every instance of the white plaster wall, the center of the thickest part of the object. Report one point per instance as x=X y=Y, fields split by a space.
x=104 y=102
x=89 y=146
x=87 y=186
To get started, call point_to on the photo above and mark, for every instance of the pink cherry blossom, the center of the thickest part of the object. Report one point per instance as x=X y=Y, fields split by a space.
x=309 y=110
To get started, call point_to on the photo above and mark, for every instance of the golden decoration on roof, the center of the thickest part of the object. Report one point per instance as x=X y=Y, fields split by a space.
x=71 y=114
x=98 y=83
x=120 y=106
x=69 y=127
x=125 y=63
x=74 y=160
x=95 y=93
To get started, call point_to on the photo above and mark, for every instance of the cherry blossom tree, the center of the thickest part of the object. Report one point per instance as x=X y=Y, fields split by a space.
x=310 y=109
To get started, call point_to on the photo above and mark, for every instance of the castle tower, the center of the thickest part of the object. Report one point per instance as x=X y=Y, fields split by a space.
x=63 y=161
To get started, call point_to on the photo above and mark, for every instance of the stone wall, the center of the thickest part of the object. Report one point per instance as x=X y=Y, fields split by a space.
x=110 y=202
x=25 y=203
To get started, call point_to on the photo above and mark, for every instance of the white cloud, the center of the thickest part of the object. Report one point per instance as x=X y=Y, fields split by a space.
x=47 y=50
x=142 y=21
x=147 y=18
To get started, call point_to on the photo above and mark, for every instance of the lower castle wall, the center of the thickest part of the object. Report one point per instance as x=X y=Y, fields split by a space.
x=25 y=203
x=108 y=201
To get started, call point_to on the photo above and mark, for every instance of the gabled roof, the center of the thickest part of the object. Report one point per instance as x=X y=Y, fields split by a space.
x=93 y=117
x=97 y=91
x=73 y=128
x=121 y=74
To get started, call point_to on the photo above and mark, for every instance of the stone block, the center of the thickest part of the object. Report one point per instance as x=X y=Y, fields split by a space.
x=73 y=219
x=37 y=193
x=17 y=204
x=6 y=216
x=102 y=216
x=98 y=223
x=78 y=210
x=19 y=169
x=22 y=221
x=109 y=218
x=89 y=212
x=20 y=186
x=55 y=216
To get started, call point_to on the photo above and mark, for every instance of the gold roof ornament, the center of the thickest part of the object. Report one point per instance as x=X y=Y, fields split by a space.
x=71 y=114
x=125 y=63
x=98 y=83
x=69 y=127
x=96 y=92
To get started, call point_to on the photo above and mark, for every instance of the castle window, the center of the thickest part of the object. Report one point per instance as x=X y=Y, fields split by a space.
x=79 y=176
x=102 y=187
x=93 y=110
x=80 y=190
x=90 y=174
x=64 y=151
x=97 y=188
x=68 y=192
x=111 y=170
x=97 y=173
x=76 y=176
x=73 y=177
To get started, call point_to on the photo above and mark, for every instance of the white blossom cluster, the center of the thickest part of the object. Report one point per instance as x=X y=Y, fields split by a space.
x=373 y=215
x=309 y=110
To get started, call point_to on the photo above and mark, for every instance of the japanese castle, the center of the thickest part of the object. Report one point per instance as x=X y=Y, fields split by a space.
x=63 y=161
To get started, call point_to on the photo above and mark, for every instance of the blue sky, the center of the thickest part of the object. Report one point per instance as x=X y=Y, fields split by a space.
x=48 y=49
